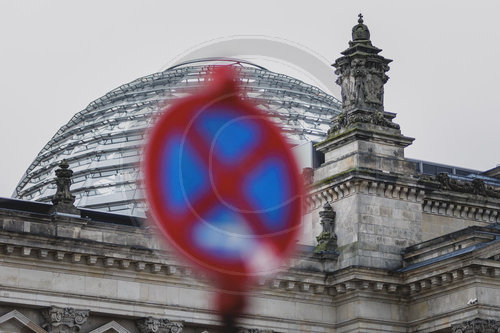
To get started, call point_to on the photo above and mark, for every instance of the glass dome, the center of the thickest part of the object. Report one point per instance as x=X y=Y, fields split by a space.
x=103 y=142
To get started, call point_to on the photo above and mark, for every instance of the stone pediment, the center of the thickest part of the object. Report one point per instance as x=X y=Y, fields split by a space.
x=478 y=242
x=15 y=321
x=490 y=251
x=110 y=327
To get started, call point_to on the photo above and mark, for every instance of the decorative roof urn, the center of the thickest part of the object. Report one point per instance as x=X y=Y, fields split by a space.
x=63 y=200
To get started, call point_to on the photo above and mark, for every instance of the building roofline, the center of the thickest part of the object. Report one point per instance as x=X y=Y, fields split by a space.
x=87 y=214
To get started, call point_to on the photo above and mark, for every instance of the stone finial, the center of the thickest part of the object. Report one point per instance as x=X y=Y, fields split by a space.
x=63 y=200
x=360 y=31
x=64 y=320
x=477 y=325
x=154 y=325
x=327 y=240
x=361 y=72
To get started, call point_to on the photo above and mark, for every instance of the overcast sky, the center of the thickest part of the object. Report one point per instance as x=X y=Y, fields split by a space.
x=58 y=56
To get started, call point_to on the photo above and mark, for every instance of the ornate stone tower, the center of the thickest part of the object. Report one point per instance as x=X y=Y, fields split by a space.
x=361 y=72
x=365 y=175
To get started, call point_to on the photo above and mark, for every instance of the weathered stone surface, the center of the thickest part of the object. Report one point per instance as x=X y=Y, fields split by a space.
x=361 y=72
x=476 y=186
x=64 y=320
x=477 y=325
x=63 y=200
x=350 y=119
x=154 y=325
x=327 y=240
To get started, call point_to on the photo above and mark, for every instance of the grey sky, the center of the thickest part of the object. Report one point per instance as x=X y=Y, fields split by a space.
x=58 y=56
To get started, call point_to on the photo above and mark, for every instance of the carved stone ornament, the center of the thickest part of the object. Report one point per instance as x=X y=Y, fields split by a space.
x=361 y=72
x=308 y=175
x=345 y=120
x=327 y=240
x=477 y=326
x=153 y=325
x=64 y=320
x=476 y=186
x=63 y=200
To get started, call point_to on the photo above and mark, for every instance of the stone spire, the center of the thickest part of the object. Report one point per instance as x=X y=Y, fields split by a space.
x=365 y=168
x=361 y=72
x=63 y=200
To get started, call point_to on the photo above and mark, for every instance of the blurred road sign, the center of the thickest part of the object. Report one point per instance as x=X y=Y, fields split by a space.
x=222 y=183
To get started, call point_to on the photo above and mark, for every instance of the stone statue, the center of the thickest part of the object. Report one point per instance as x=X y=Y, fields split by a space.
x=361 y=76
x=361 y=72
x=63 y=200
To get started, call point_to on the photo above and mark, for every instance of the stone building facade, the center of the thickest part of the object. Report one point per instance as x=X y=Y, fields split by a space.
x=396 y=250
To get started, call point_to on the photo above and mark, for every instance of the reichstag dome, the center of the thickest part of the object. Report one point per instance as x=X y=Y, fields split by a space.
x=103 y=142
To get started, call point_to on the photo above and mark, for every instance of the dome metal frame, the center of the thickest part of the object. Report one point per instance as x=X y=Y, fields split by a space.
x=103 y=142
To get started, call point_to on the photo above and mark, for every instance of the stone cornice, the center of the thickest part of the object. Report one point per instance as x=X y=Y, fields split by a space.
x=320 y=287
x=461 y=199
x=349 y=119
x=367 y=132
x=365 y=182
x=452 y=204
x=365 y=174
x=420 y=284
x=467 y=268
x=461 y=207
x=151 y=265
x=475 y=186
x=158 y=266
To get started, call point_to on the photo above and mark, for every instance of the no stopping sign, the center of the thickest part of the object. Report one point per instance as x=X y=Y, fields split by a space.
x=222 y=183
